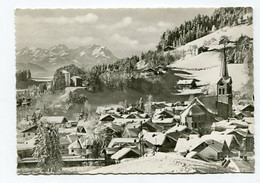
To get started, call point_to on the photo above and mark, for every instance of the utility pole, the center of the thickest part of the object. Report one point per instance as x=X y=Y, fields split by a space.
x=140 y=140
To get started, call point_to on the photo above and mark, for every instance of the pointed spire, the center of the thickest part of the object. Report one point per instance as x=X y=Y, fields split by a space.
x=224 y=68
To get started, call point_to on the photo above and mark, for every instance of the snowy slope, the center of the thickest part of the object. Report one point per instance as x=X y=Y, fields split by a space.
x=233 y=34
x=206 y=66
x=162 y=163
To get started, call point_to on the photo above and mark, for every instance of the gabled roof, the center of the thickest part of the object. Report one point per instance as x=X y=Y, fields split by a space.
x=76 y=77
x=131 y=132
x=155 y=138
x=75 y=145
x=53 y=119
x=124 y=151
x=123 y=141
x=228 y=139
x=163 y=120
x=185 y=82
x=176 y=128
x=34 y=127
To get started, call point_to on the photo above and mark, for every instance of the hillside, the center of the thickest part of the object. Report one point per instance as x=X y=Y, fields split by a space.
x=58 y=56
x=162 y=163
x=208 y=64
x=233 y=34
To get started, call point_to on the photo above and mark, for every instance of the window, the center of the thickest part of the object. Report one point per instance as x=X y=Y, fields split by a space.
x=29 y=134
x=195 y=125
x=72 y=150
x=219 y=91
x=223 y=91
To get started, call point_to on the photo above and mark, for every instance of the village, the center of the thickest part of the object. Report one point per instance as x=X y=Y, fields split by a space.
x=208 y=128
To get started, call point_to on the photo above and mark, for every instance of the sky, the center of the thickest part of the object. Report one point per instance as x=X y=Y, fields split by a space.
x=124 y=31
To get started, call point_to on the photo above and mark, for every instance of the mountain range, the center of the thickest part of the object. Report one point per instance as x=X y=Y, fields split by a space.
x=43 y=62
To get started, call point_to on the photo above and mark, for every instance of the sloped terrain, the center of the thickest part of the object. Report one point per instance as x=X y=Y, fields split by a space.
x=161 y=163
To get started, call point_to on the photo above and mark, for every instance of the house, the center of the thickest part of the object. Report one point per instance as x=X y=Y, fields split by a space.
x=114 y=130
x=151 y=127
x=164 y=113
x=168 y=48
x=215 y=150
x=197 y=116
x=123 y=142
x=231 y=123
x=75 y=148
x=24 y=150
x=248 y=108
x=230 y=140
x=30 y=131
x=76 y=81
x=58 y=121
x=82 y=126
x=239 y=165
x=203 y=49
x=187 y=84
x=64 y=144
x=131 y=132
x=243 y=136
x=125 y=153
x=166 y=123
x=67 y=78
x=108 y=152
x=208 y=149
x=159 y=141
x=71 y=123
x=195 y=155
x=108 y=118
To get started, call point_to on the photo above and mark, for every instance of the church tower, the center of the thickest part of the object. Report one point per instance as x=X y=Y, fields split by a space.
x=224 y=92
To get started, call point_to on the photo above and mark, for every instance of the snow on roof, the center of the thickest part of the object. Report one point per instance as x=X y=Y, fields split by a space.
x=155 y=138
x=30 y=128
x=220 y=138
x=122 y=121
x=115 y=141
x=189 y=92
x=163 y=120
x=122 y=152
x=249 y=120
x=53 y=119
x=185 y=82
x=83 y=123
x=75 y=145
x=176 y=128
x=64 y=72
x=76 y=77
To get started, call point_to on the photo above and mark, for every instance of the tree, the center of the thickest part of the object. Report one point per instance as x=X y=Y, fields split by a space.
x=148 y=105
x=47 y=148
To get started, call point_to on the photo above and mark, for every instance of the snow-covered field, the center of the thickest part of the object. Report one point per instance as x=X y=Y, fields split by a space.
x=233 y=34
x=206 y=66
x=161 y=163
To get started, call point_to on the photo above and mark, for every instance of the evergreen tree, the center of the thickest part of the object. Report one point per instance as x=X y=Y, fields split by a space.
x=47 y=148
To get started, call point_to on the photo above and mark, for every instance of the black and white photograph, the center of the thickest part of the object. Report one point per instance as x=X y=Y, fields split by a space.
x=134 y=91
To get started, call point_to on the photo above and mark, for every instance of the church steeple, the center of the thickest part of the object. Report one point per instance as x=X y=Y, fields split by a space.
x=224 y=68
x=224 y=89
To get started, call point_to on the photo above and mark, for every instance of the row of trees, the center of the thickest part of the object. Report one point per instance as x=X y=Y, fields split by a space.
x=23 y=75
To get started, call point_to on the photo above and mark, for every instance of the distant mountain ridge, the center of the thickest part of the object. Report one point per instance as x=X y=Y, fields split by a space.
x=60 y=55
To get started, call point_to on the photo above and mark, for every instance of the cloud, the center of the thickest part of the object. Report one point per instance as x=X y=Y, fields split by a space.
x=87 y=18
x=79 y=40
x=149 y=29
x=117 y=38
x=163 y=24
x=124 y=22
